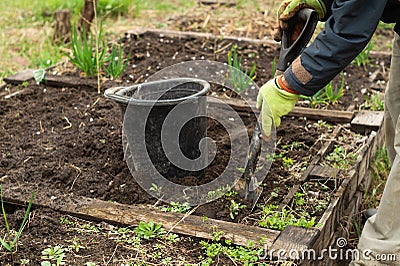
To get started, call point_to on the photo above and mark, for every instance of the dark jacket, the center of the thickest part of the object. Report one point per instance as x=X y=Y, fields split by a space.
x=349 y=27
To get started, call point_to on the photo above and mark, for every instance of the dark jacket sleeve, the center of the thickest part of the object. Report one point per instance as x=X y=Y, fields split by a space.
x=348 y=30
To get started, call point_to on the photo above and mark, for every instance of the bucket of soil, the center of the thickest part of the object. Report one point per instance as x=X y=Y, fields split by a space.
x=165 y=127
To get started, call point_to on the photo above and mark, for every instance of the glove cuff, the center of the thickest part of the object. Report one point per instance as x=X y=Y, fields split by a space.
x=279 y=83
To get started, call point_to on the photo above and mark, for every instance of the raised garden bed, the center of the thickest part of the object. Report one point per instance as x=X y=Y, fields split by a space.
x=65 y=144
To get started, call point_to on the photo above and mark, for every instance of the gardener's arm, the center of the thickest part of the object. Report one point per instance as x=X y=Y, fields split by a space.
x=347 y=31
x=349 y=27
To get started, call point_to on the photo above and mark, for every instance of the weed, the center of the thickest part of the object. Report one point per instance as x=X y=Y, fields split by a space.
x=53 y=254
x=237 y=254
x=235 y=208
x=287 y=162
x=333 y=95
x=39 y=75
x=375 y=102
x=340 y=158
x=299 y=199
x=362 y=59
x=66 y=221
x=83 y=56
x=115 y=60
x=11 y=243
x=149 y=230
x=240 y=79
x=230 y=193
x=126 y=235
x=75 y=245
x=177 y=207
x=157 y=189
x=274 y=219
x=173 y=238
x=24 y=261
x=328 y=95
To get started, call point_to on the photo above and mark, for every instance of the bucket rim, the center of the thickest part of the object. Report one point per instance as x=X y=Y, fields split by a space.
x=117 y=93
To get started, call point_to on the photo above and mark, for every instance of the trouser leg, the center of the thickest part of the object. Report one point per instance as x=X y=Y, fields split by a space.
x=381 y=233
x=392 y=100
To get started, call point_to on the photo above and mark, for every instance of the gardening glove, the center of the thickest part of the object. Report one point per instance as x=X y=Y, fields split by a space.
x=275 y=101
x=289 y=8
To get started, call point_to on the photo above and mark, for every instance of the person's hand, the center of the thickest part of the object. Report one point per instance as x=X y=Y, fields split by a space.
x=289 y=8
x=274 y=102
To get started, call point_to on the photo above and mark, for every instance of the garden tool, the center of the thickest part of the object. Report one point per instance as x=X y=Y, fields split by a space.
x=290 y=50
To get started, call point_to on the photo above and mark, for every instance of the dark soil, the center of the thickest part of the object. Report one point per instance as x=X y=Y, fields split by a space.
x=76 y=147
x=152 y=52
x=69 y=140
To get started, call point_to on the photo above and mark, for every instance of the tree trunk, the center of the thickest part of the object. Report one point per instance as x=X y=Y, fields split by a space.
x=63 y=26
x=87 y=15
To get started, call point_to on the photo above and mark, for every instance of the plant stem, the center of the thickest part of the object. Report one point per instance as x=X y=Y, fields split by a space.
x=97 y=46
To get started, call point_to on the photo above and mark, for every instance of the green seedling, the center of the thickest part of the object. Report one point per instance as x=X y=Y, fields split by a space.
x=115 y=60
x=235 y=208
x=83 y=56
x=39 y=75
x=53 y=256
x=240 y=79
x=326 y=96
x=375 y=102
x=274 y=219
x=287 y=162
x=340 y=158
x=239 y=255
x=149 y=230
x=75 y=245
x=156 y=189
x=362 y=59
x=333 y=95
x=11 y=241
x=177 y=207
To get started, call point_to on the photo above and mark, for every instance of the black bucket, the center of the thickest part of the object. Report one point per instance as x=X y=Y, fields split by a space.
x=167 y=101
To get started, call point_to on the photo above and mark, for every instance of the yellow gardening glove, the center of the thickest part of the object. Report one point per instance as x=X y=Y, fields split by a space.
x=289 y=8
x=275 y=103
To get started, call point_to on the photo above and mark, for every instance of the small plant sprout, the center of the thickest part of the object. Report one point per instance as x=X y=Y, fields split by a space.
x=235 y=208
x=115 y=60
x=274 y=219
x=334 y=94
x=149 y=230
x=177 y=207
x=39 y=75
x=11 y=241
x=156 y=189
x=83 y=56
x=375 y=102
x=53 y=256
x=240 y=79
x=362 y=59
x=326 y=96
x=340 y=158
x=75 y=246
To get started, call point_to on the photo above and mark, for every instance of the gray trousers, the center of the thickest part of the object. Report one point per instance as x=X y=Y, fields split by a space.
x=380 y=239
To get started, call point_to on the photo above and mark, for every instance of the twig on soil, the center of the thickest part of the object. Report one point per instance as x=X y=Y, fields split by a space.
x=183 y=218
x=79 y=173
x=69 y=123
x=115 y=250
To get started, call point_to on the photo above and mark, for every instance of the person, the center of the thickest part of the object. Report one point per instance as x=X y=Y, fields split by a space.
x=349 y=26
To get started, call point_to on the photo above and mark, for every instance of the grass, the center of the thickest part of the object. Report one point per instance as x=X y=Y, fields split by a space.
x=27 y=30
x=11 y=241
